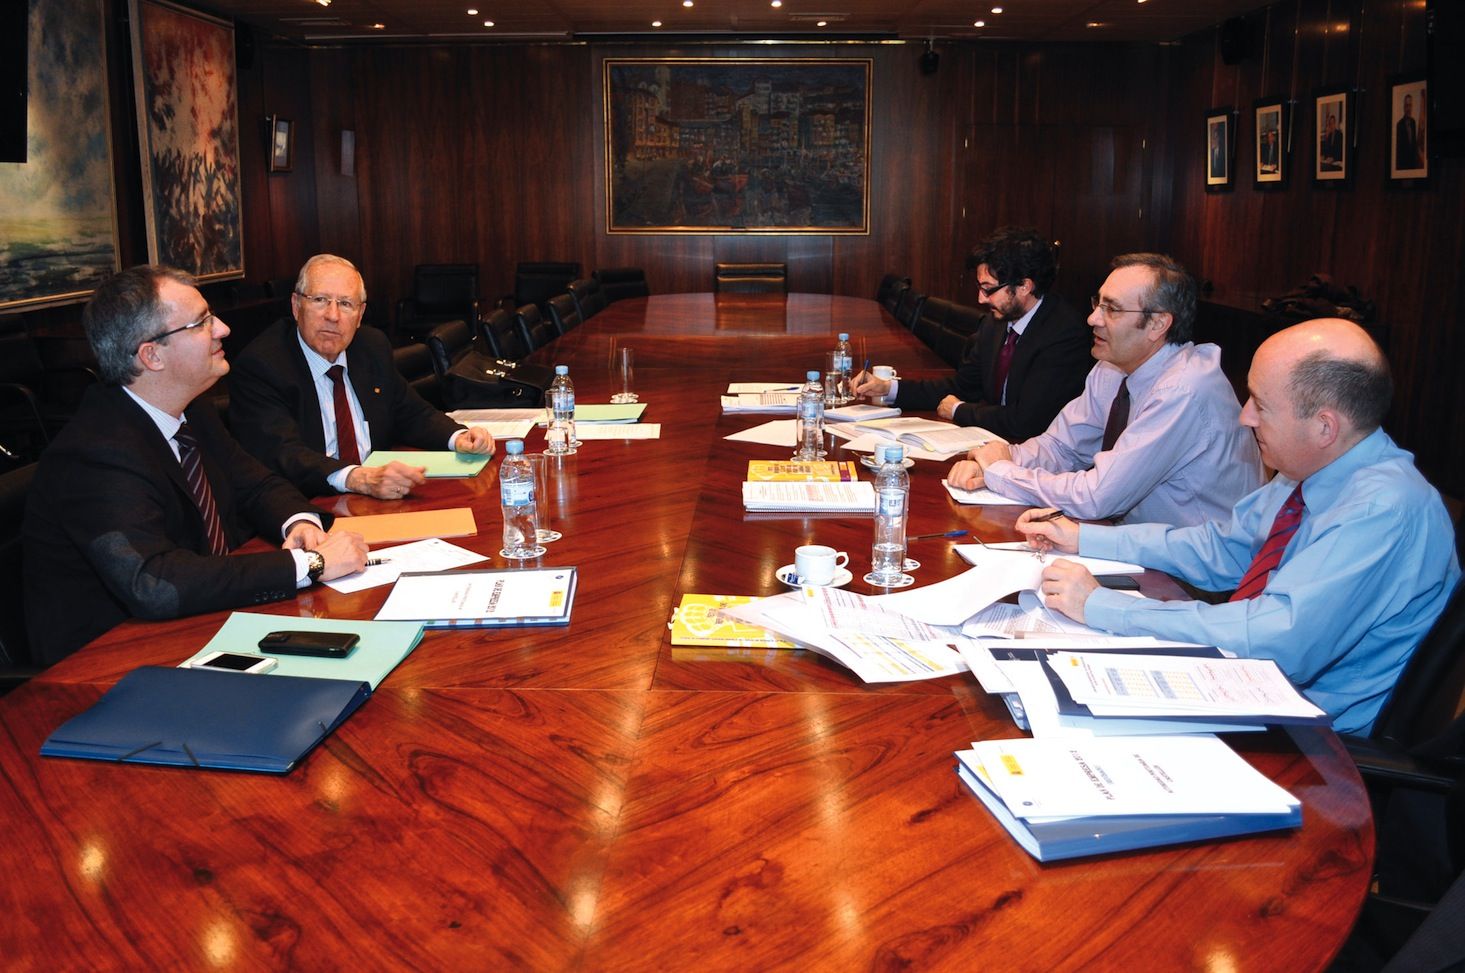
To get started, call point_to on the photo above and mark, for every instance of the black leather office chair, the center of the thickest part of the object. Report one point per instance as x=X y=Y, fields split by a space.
x=589 y=297
x=415 y=364
x=500 y=333
x=750 y=278
x=908 y=308
x=889 y=291
x=15 y=658
x=563 y=314
x=929 y=321
x=447 y=343
x=440 y=293
x=620 y=283
x=535 y=282
x=534 y=331
x=961 y=323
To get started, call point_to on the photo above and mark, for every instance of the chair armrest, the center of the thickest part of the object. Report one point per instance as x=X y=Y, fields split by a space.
x=1382 y=762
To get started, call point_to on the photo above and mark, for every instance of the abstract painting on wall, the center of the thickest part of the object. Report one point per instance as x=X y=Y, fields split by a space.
x=188 y=126
x=737 y=145
x=58 y=228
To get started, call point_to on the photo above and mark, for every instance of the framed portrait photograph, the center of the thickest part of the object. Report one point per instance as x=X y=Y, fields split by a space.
x=282 y=143
x=1408 y=128
x=1269 y=158
x=1332 y=136
x=737 y=145
x=1218 y=149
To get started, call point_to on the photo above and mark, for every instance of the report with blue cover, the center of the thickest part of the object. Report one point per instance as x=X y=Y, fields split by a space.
x=469 y=598
x=207 y=719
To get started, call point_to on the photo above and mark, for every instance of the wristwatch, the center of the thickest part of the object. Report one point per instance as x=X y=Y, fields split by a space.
x=315 y=565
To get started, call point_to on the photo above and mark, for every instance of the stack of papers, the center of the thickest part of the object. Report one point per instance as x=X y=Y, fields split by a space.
x=704 y=620
x=800 y=471
x=944 y=439
x=860 y=412
x=776 y=403
x=856 y=497
x=1001 y=554
x=739 y=388
x=501 y=423
x=1064 y=799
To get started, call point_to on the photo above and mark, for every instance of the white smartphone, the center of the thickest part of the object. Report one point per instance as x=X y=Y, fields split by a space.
x=234 y=662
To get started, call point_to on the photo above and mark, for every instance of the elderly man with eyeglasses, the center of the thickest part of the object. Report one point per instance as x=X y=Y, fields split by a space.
x=1154 y=437
x=311 y=399
x=139 y=502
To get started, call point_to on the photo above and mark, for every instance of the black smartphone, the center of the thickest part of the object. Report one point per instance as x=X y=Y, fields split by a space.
x=1119 y=582
x=330 y=645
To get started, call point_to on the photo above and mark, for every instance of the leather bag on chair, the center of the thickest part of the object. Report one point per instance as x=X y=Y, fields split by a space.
x=478 y=381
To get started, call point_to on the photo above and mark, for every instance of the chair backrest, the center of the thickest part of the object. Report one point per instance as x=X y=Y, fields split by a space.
x=620 y=283
x=1427 y=697
x=888 y=293
x=751 y=278
x=445 y=288
x=534 y=331
x=500 y=332
x=414 y=363
x=930 y=320
x=909 y=307
x=448 y=342
x=535 y=282
x=14 y=645
x=563 y=314
x=589 y=297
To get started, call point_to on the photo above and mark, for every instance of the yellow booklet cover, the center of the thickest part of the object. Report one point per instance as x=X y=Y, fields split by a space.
x=773 y=470
x=699 y=620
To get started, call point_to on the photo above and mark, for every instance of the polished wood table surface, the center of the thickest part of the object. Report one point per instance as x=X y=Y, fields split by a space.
x=593 y=798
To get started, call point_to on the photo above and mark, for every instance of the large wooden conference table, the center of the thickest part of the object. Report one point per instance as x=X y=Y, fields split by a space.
x=594 y=798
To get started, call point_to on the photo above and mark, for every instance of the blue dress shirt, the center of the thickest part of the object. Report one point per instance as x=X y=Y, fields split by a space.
x=1363 y=579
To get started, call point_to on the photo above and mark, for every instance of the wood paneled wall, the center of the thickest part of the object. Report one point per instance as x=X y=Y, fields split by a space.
x=1403 y=247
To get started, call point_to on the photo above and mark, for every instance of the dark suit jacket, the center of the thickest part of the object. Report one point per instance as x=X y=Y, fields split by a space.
x=111 y=529
x=1049 y=365
x=275 y=412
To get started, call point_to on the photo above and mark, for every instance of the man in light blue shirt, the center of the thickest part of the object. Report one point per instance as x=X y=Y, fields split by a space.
x=1341 y=564
x=1154 y=435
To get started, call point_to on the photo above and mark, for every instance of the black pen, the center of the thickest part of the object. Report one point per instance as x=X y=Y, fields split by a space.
x=1044 y=518
x=946 y=533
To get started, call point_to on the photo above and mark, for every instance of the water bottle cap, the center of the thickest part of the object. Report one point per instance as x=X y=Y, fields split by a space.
x=514 y=447
x=891 y=452
x=843 y=336
x=562 y=369
x=811 y=376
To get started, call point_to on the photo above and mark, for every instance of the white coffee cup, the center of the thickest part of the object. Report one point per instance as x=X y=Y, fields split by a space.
x=887 y=372
x=816 y=564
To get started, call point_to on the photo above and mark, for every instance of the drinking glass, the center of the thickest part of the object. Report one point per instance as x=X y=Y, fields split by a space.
x=546 y=479
x=623 y=374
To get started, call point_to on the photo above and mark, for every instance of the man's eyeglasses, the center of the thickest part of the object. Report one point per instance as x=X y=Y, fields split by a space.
x=1109 y=311
x=988 y=291
x=320 y=302
x=208 y=315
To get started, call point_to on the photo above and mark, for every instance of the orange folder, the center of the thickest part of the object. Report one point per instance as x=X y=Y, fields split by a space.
x=414 y=526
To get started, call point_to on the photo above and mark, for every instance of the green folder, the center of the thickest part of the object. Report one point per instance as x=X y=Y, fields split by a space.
x=383 y=645
x=610 y=413
x=438 y=463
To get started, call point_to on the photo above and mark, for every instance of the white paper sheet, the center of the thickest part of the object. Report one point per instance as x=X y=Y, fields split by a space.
x=982 y=496
x=432 y=554
x=737 y=388
x=972 y=554
x=638 y=430
x=1145 y=685
x=779 y=432
x=958 y=598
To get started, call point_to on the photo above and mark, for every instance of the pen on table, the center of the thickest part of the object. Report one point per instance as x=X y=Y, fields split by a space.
x=372 y=562
x=944 y=533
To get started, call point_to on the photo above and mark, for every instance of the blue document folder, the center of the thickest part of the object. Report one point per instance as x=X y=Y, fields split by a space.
x=202 y=718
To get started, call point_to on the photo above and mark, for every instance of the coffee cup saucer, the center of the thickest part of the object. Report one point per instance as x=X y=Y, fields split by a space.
x=789 y=576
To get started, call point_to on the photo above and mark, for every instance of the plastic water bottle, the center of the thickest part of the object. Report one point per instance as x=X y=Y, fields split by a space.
x=845 y=363
x=892 y=498
x=516 y=497
x=811 y=419
x=561 y=433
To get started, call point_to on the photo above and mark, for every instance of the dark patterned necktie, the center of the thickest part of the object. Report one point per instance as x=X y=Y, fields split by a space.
x=1267 y=559
x=1004 y=365
x=198 y=485
x=1118 y=416
x=346 y=450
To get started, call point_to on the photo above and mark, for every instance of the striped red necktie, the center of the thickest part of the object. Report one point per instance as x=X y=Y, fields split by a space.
x=1267 y=559
x=198 y=485
x=346 y=448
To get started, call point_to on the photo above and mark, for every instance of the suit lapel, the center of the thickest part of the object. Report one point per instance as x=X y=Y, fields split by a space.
x=368 y=392
x=1028 y=344
x=308 y=413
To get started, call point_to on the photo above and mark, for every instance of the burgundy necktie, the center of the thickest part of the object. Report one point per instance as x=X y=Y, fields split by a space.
x=1118 y=416
x=198 y=485
x=346 y=450
x=1004 y=363
x=1270 y=555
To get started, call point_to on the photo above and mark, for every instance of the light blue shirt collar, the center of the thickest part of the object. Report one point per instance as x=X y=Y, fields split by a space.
x=315 y=362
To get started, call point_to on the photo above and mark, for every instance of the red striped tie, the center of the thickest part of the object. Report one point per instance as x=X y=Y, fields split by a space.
x=1270 y=555
x=346 y=449
x=198 y=485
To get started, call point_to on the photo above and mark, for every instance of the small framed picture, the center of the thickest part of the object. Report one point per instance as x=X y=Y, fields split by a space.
x=1219 y=133
x=282 y=143
x=1409 y=128
x=1332 y=136
x=1272 y=141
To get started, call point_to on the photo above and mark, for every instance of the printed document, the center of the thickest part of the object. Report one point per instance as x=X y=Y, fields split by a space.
x=433 y=554
x=985 y=553
x=953 y=601
x=613 y=430
x=1140 y=685
x=540 y=596
x=501 y=423
x=858 y=497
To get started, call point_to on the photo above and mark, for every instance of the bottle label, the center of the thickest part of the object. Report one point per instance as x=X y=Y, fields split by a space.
x=892 y=503
x=562 y=401
x=843 y=362
x=811 y=408
x=516 y=493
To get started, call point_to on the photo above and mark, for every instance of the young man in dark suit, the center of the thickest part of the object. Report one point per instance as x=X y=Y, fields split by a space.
x=138 y=502
x=312 y=398
x=1027 y=358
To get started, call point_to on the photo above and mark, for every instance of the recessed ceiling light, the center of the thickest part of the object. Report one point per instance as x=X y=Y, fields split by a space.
x=378 y=26
x=473 y=11
x=324 y=3
x=775 y=3
x=1094 y=23
x=656 y=23
x=686 y=3
x=979 y=23
x=822 y=23
x=488 y=23
x=996 y=10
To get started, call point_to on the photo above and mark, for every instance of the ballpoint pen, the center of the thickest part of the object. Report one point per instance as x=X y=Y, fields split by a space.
x=1044 y=518
x=372 y=562
x=945 y=533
